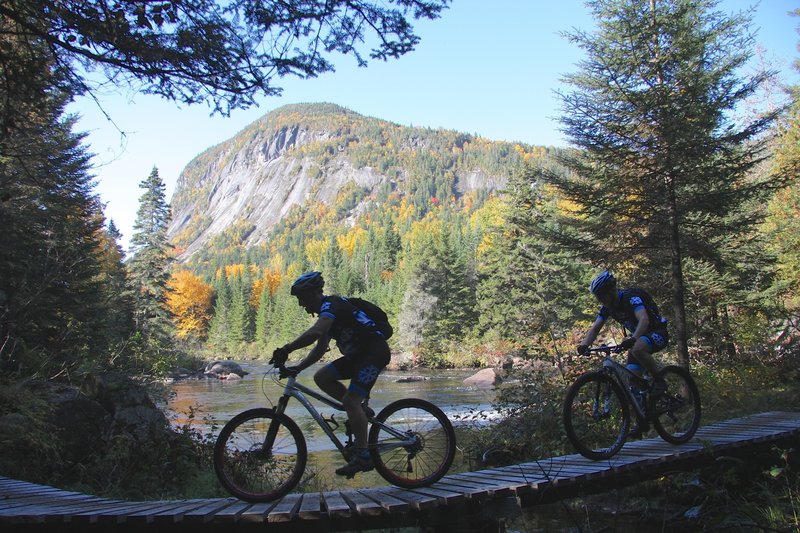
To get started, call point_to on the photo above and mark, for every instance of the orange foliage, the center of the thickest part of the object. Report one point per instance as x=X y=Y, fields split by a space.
x=189 y=299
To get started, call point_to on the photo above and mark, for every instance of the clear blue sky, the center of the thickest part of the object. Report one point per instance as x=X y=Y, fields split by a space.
x=489 y=68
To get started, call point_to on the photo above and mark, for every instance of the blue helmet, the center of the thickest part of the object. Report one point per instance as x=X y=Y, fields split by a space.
x=308 y=282
x=603 y=281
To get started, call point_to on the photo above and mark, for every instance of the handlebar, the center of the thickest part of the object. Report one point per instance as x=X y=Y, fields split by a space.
x=608 y=350
x=284 y=371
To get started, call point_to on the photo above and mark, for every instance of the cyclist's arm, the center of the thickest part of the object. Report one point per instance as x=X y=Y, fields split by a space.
x=594 y=331
x=313 y=334
x=315 y=354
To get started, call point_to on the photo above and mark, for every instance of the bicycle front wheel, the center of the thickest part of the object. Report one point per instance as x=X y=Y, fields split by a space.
x=596 y=416
x=260 y=455
x=412 y=443
x=676 y=414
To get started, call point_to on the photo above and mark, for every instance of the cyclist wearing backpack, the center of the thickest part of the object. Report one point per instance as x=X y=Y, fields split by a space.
x=365 y=353
x=639 y=316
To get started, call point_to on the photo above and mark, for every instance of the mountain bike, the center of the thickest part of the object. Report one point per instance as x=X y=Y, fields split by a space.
x=597 y=406
x=260 y=455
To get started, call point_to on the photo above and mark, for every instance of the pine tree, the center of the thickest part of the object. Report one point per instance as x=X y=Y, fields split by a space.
x=149 y=266
x=117 y=308
x=664 y=174
x=52 y=304
x=529 y=287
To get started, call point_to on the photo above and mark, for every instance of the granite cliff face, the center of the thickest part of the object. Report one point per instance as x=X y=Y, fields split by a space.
x=302 y=153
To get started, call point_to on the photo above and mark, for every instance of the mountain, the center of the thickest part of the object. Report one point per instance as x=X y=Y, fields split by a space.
x=297 y=156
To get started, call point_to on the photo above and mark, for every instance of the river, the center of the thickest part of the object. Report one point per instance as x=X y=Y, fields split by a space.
x=213 y=401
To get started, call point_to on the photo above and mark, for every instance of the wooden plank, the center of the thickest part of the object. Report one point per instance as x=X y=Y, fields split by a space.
x=137 y=512
x=471 y=489
x=285 y=509
x=511 y=482
x=388 y=502
x=335 y=505
x=443 y=495
x=311 y=507
x=231 y=513
x=416 y=498
x=360 y=504
x=205 y=513
x=258 y=512
x=175 y=514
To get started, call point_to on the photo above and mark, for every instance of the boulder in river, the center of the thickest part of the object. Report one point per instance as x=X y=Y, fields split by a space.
x=483 y=379
x=224 y=370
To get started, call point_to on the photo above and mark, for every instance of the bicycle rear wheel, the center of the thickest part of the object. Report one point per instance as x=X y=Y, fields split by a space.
x=676 y=414
x=596 y=416
x=412 y=443
x=260 y=455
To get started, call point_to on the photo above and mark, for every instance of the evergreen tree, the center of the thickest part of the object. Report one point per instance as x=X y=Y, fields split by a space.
x=219 y=326
x=52 y=304
x=148 y=272
x=528 y=286
x=664 y=174
x=117 y=309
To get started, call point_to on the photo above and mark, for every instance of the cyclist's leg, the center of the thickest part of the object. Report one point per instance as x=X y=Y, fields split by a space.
x=653 y=341
x=365 y=372
x=329 y=377
x=646 y=345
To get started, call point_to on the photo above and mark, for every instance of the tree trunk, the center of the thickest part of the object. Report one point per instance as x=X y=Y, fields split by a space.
x=678 y=304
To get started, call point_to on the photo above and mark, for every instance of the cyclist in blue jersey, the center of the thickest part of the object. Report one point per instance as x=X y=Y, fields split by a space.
x=365 y=354
x=645 y=328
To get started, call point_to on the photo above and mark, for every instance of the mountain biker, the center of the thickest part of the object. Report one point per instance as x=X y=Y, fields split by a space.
x=646 y=328
x=365 y=354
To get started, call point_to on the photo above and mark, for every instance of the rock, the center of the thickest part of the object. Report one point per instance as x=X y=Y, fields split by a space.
x=411 y=379
x=483 y=379
x=224 y=370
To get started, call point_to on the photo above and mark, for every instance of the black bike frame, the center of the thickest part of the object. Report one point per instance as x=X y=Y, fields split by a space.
x=624 y=378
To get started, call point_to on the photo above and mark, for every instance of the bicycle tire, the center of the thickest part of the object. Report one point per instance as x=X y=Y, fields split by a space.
x=245 y=469
x=596 y=435
x=676 y=414
x=428 y=459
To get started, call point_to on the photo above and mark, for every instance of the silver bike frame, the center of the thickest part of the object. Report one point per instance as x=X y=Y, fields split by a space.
x=295 y=390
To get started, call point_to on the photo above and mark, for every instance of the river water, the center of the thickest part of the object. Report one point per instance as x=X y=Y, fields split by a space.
x=217 y=401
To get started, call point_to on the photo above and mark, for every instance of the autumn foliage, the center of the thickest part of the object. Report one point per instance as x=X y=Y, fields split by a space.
x=189 y=299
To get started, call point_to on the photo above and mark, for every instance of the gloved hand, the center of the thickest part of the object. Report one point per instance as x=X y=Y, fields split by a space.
x=279 y=356
x=582 y=349
x=289 y=371
x=627 y=342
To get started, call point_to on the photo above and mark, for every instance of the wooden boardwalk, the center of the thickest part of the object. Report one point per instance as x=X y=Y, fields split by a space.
x=466 y=498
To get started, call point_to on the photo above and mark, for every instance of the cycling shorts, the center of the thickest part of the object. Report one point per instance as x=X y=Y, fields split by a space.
x=362 y=368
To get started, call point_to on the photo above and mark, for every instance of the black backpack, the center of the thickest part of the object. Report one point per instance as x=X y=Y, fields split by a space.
x=375 y=313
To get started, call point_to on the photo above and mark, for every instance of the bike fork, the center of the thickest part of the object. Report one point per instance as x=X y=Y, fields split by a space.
x=272 y=431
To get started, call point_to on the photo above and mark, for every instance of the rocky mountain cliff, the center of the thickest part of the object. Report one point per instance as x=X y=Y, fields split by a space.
x=301 y=154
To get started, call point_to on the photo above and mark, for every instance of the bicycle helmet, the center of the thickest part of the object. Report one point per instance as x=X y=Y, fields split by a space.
x=308 y=282
x=603 y=281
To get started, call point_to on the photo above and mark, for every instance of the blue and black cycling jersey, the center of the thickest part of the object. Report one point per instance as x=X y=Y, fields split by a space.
x=629 y=301
x=352 y=328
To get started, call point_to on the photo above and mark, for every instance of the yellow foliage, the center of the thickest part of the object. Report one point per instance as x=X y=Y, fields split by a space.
x=315 y=251
x=232 y=271
x=406 y=210
x=189 y=299
x=491 y=215
x=349 y=240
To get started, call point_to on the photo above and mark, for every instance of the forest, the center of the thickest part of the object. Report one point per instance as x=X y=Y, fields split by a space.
x=667 y=182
